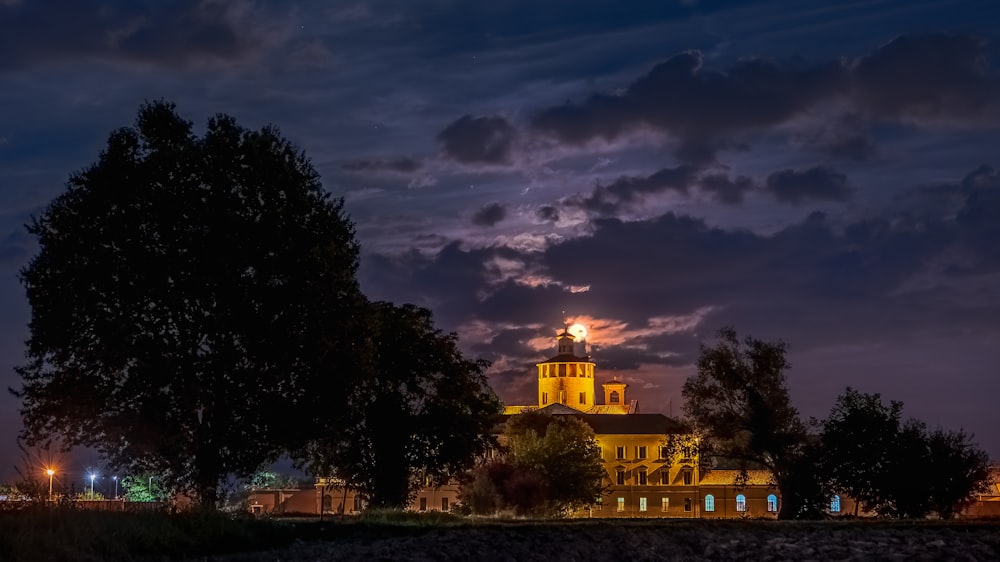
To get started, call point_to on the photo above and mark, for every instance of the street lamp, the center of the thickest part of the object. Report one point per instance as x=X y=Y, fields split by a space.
x=150 y=488
x=115 y=478
x=92 y=476
x=50 y=472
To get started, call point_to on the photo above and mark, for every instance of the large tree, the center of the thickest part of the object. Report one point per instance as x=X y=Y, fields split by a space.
x=871 y=455
x=192 y=299
x=738 y=400
x=421 y=413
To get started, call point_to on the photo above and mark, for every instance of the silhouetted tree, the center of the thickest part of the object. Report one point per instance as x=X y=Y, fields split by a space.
x=191 y=302
x=739 y=401
x=859 y=438
x=898 y=469
x=420 y=413
x=958 y=470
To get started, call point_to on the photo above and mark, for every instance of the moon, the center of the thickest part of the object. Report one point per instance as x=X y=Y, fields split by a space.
x=578 y=331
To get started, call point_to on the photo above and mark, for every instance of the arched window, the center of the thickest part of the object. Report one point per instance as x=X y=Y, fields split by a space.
x=741 y=502
x=772 y=503
x=709 y=502
x=835 y=504
x=613 y=398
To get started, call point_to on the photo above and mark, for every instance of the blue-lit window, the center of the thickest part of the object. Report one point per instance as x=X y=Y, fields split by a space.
x=835 y=504
x=772 y=503
x=741 y=502
x=709 y=502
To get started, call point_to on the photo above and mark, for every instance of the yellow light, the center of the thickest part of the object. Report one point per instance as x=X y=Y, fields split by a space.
x=578 y=331
x=50 y=472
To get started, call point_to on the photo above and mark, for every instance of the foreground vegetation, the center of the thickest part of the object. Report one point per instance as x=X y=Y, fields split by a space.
x=67 y=534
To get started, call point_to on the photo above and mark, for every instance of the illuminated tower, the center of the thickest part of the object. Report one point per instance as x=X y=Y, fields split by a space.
x=614 y=392
x=566 y=378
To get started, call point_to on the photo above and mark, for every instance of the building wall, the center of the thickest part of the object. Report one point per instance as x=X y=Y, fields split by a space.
x=564 y=382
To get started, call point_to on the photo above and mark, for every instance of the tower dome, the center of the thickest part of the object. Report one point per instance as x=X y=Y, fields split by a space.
x=566 y=378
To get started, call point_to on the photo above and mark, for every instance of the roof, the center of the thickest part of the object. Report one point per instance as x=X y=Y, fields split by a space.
x=728 y=478
x=608 y=409
x=633 y=424
x=567 y=358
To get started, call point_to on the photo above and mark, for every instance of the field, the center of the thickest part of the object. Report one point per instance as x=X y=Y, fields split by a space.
x=92 y=536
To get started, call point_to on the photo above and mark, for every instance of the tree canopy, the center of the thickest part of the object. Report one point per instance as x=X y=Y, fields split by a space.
x=738 y=400
x=420 y=413
x=873 y=456
x=549 y=464
x=192 y=298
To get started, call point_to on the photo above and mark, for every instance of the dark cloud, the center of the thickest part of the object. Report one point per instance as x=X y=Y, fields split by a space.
x=928 y=76
x=698 y=105
x=489 y=214
x=478 y=140
x=172 y=34
x=815 y=184
x=547 y=213
x=627 y=191
x=402 y=164
x=725 y=189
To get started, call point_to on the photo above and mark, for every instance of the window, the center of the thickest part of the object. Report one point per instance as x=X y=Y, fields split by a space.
x=640 y=452
x=444 y=504
x=620 y=477
x=599 y=505
x=562 y=370
x=621 y=504
x=642 y=504
x=613 y=397
x=572 y=370
x=835 y=504
x=423 y=504
x=359 y=504
x=619 y=452
x=545 y=398
x=666 y=504
x=583 y=397
x=641 y=477
x=687 y=477
x=741 y=502
x=709 y=502
x=665 y=477
x=687 y=504
x=686 y=451
x=664 y=452
x=772 y=503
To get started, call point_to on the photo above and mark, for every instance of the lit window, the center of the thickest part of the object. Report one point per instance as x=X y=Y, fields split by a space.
x=599 y=505
x=741 y=502
x=709 y=502
x=621 y=504
x=640 y=452
x=772 y=503
x=687 y=504
x=583 y=397
x=423 y=504
x=666 y=504
x=687 y=477
x=835 y=504
x=620 y=477
x=642 y=504
x=444 y=504
x=641 y=476
x=620 y=452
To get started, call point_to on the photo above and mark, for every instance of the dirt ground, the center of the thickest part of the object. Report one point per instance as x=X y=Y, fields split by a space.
x=640 y=541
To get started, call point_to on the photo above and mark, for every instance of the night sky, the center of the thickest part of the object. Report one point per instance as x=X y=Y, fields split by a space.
x=825 y=173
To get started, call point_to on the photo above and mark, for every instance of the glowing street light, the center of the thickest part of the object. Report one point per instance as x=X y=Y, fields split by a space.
x=50 y=472
x=92 y=476
x=115 y=478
